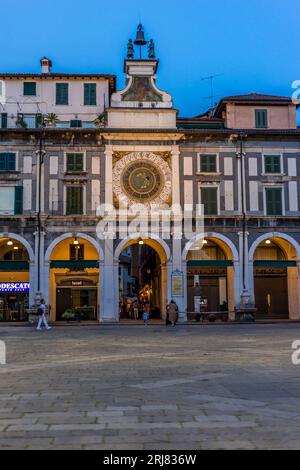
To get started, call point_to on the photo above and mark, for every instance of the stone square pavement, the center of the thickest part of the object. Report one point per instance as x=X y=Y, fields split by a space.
x=135 y=387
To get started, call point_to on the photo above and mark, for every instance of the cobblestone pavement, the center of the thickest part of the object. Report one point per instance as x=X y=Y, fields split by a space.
x=136 y=387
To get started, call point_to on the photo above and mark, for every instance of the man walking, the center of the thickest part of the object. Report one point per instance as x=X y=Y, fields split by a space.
x=172 y=313
x=42 y=316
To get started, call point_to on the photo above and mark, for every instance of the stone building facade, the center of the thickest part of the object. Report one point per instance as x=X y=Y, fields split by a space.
x=241 y=161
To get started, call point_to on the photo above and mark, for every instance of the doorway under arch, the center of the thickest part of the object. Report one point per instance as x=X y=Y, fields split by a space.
x=74 y=280
x=276 y=279
x=210 y=277
x=14 y=279
x=142 y=278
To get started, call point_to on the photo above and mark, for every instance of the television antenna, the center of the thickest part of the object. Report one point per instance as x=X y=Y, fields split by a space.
x=211 y=78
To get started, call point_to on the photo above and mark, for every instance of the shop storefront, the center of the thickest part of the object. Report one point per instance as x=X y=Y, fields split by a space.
x=76 y=299
x=14 y=301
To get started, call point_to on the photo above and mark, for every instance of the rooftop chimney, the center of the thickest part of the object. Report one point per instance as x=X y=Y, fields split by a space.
x=46 y=65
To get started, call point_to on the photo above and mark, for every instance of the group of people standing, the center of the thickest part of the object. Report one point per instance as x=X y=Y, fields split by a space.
x=136 y=311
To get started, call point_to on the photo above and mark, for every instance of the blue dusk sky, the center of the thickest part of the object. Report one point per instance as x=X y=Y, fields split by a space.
x=253 y=43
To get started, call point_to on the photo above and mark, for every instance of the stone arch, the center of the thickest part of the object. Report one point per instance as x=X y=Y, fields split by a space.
x=226 y=244
x=275 y=235
x=22 y=240
x=157 y=244
x=291 y=249
x=65 y=236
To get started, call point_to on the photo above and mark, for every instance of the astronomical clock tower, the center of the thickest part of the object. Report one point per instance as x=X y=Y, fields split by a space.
x=141 y=168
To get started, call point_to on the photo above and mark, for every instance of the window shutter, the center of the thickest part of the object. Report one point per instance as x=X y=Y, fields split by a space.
x=75 y=123
x=18 y=200
x=261 y=118
x=274 y=201
x=89 y=94
x=62 y=93
x=4 y=120
x=74 y=200
x=7 y=161
x=209 y=199
x=29 y=89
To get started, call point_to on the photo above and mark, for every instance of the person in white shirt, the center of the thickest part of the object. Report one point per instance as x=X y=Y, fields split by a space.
x=42 y=316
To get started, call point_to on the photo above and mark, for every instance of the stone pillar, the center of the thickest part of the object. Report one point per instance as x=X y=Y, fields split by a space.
x=32 y=281
x=177 y=265
x=108 y=174
x=245 y=304
x=175 y=175
x=40 y=274
x=293 y=280
x=109 y=285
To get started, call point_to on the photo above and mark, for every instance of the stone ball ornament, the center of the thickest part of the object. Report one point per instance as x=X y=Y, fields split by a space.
x=142 y=178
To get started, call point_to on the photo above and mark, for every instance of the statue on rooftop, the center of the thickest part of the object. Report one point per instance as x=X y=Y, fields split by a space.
x=151 y=49
x=130 y=49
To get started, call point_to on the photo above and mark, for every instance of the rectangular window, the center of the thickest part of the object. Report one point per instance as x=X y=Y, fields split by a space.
x=30 y=121
x=74 y=162
x=3 y=121
x=62 y=93
x=261 y=118
x=274 y=201
x=76 y=252
x=75 y=123
x=208 y=163
x=29 y=89
x=10 y=203
x=209 y=197
x=74 y=200
x=90 y=94
x=7 y=161
x=272 y=164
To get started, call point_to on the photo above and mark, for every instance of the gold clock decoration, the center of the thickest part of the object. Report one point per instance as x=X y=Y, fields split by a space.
x=142 y=178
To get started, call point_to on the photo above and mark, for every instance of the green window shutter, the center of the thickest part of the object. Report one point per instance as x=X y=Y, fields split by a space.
x=62 y=93
x=7 y=161
x=272 y=164
x=29 y=89
x=274 y=201
x=261 y=118
x=208 y=163
x=90 y=94
x=209 y=197
x=74 y=200
x=75 y=123
x=4 y=120
x=74 y=162
x=18 y=200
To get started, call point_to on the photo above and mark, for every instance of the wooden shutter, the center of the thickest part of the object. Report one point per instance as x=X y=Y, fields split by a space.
x=261 y=118
x=74 y=200
x=7 y=161
x=210 y=201
x=89 y=94
x=29 y=89
x=18 y=200
x=4 y=120
x=62 y=93
x=274 y=201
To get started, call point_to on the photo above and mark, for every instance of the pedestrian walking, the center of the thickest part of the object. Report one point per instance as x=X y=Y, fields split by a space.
x=172 y=313
x=136 y=311
x=42 y=316
x=145 y=317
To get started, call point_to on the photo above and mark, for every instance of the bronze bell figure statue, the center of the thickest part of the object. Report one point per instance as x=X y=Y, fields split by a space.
x=140 y=38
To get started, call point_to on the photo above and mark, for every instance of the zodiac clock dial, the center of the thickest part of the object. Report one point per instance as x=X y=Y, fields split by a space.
x=142 y=178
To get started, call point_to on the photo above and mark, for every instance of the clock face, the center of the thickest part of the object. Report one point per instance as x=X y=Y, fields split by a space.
x=142 y=178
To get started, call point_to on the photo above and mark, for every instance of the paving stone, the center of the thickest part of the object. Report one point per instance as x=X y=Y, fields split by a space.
x=216 y=387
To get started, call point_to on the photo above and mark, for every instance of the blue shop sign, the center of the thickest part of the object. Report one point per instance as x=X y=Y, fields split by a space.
x=14 y=286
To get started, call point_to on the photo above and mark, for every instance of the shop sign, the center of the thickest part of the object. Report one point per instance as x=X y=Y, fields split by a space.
x=14 y=286
x=177 y=284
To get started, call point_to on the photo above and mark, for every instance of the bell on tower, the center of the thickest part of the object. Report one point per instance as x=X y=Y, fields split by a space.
x=140 y=38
